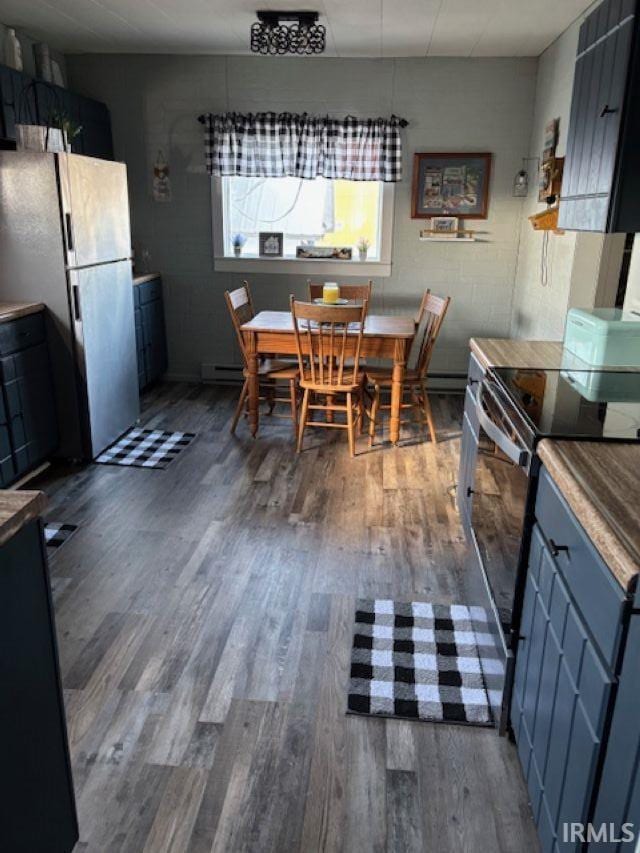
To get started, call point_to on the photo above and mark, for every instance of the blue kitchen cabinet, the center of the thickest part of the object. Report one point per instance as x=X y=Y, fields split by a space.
x=36 y=786
x=619 y=793
x=28 y=418
x=21 y=101
x=151 y=338
x=570 y=637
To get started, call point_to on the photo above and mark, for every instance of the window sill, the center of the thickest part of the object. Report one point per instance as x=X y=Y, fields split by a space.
x=304 y=266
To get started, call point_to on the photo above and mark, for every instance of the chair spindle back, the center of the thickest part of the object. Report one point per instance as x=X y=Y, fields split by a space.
x=329 y=341
x=240 y=307
x=429 y=321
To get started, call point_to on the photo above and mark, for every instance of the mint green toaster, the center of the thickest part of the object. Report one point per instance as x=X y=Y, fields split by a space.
x=604 y=337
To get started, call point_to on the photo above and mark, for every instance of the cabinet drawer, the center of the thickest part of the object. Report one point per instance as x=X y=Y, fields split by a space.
x=591 y=585
x=19 y=334
x=149 y=290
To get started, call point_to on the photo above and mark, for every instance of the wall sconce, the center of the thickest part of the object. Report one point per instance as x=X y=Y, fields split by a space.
x=521 y=180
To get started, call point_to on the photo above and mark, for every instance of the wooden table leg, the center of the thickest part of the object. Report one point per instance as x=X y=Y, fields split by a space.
x=254 y=385
x=397 y=382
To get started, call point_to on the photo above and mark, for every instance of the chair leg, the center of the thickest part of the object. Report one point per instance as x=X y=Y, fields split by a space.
x=243 y=397
x=350 y=425
x=293 y=394
x=375 y=404
x=429 y=414
x=303 y=419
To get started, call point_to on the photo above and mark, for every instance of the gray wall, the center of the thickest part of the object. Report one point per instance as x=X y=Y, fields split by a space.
x=451 y=104
x=575 y=261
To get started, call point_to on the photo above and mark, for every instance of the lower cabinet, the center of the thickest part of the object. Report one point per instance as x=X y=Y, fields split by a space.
x=151 y=339
x=36 y=787
x=28 y=421
x=570 y=635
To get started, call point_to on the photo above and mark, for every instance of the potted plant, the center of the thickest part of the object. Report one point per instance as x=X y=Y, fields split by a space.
x=238 y=242
x=363 y=248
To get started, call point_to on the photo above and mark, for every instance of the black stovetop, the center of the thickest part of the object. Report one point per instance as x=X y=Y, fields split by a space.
x=580 y=404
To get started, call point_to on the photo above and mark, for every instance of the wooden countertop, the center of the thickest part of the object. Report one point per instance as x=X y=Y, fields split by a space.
x=601 y=484
x=140 y=278
x=505 y=352
x=18 y=508
x=13 y=310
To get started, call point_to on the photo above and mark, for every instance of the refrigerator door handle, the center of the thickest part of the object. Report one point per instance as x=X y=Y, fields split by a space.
x=76 y=303
x=69 y=227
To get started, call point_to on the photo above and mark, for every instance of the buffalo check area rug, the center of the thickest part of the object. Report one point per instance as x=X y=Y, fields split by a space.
x=56 y=535
x=146 y=448
x=422 y=661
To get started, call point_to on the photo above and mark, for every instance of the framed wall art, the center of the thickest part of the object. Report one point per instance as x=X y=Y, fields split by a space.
x=451 y=185
x=270 y=244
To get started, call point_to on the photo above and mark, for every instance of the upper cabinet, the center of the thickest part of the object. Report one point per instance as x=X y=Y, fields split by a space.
x=601 y=183
x=23 y=103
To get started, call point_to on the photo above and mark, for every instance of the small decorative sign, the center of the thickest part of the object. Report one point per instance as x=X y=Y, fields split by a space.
x=445 y=226
x=271 y=244
x=161 y=179
x=331 y=253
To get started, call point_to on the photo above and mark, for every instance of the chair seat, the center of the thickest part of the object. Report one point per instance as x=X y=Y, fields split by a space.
x=384 y=375
x=345 y=388
x=272 y=368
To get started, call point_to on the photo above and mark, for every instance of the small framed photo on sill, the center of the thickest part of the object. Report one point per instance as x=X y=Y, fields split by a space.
x=444 y=226
x=270 y=244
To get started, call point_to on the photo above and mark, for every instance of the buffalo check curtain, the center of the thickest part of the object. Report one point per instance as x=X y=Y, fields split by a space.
x=278 y=145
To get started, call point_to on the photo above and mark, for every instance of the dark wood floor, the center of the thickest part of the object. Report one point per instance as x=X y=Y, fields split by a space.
x=205 y=615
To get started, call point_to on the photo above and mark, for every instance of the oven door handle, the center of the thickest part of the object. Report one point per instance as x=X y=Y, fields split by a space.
x=515 y=452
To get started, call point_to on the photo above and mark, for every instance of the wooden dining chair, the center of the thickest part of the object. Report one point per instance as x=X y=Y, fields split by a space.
x=329 y=341
x=352 y=292
x=270 y=371
x=428 y=324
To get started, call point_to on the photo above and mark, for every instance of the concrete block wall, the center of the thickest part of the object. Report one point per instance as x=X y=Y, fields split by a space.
x=451 y=104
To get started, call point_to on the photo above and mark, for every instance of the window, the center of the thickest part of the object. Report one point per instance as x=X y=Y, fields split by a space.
x=319 y=212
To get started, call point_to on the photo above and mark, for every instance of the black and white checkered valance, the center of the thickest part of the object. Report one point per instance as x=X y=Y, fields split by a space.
x=278 y=145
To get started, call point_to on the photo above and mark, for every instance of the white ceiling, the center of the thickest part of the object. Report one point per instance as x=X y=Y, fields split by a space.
x=354 y=27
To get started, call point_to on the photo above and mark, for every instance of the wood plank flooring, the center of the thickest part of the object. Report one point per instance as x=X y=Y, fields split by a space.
x=204 y=616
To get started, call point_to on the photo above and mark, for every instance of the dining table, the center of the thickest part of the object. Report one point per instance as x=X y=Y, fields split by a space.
x=385 y=337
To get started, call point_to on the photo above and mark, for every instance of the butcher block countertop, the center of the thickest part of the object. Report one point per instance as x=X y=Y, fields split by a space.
x=140 y=278
x=601 y=483
x=505 y=352
x=17 y=509
x=13 y=310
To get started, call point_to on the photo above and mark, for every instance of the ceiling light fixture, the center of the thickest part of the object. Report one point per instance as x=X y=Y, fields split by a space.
x=269 y=36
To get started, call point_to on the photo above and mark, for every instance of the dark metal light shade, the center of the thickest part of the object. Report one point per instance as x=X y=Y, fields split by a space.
x=269 y=36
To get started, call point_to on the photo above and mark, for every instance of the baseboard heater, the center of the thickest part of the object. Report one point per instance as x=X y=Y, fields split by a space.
x=231 y=374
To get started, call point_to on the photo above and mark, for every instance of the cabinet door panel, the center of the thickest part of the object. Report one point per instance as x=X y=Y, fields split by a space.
x=618 y=46
x=589 y=154
x=30 y=406
x=560 y=694
x=36 y=788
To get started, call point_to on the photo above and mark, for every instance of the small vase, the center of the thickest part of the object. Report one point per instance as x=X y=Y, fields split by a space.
x=237 y=251
x=12 y=50
x=363 y=255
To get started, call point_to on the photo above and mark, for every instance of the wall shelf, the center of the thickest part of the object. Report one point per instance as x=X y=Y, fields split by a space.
x=447 y=239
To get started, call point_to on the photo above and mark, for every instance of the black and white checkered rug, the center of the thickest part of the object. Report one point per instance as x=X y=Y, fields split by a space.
x=56 y=534
x=146 y=448
x=422 y=661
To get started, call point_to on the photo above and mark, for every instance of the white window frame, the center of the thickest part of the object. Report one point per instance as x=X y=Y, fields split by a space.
x=379 y=268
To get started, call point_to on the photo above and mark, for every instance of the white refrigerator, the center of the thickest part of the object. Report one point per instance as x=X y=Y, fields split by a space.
x=65 y=241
